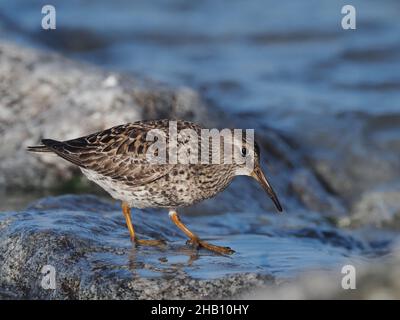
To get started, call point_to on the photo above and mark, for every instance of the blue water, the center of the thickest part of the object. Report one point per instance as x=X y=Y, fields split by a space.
x=269 y=59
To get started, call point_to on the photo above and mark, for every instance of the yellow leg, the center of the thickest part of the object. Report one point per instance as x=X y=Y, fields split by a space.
x=127 y=214
x=194 y=239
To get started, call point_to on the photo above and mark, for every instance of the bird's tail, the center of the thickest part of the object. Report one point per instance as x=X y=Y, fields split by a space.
x=60 y=148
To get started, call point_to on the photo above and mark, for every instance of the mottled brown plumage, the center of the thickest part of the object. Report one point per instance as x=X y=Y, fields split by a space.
x=117 y=160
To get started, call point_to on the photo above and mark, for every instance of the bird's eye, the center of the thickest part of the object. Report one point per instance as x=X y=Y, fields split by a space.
x=244 y=151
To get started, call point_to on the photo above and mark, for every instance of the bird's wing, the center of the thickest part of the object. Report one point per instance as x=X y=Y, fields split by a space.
x=118 y=153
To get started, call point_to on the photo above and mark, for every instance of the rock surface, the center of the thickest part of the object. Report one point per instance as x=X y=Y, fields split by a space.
x=86 y=241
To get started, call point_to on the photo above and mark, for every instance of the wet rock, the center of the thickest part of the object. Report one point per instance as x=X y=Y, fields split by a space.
x=85 y=239
x=45 y=95
x=374 y=280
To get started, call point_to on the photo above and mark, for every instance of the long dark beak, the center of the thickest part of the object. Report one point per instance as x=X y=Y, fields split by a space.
x=260 y=177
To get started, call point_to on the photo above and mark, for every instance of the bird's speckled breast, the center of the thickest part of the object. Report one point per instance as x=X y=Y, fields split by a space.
x=182 y=186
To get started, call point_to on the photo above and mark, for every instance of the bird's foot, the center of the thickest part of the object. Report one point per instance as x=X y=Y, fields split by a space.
x=203 y=244
x=144 y=242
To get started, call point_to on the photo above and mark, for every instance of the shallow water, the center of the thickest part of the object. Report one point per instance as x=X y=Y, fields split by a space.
x=281 y=246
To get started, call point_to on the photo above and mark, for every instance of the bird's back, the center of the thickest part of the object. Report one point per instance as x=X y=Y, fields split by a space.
x=116 y=160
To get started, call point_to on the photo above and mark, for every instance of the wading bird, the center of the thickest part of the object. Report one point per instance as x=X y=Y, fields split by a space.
x=117 y=159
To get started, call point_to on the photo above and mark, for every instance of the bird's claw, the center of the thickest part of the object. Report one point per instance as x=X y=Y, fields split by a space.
x=197 y=243
x=145 y=242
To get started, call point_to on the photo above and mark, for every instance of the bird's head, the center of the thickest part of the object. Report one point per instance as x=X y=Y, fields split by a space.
x=250 y=152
